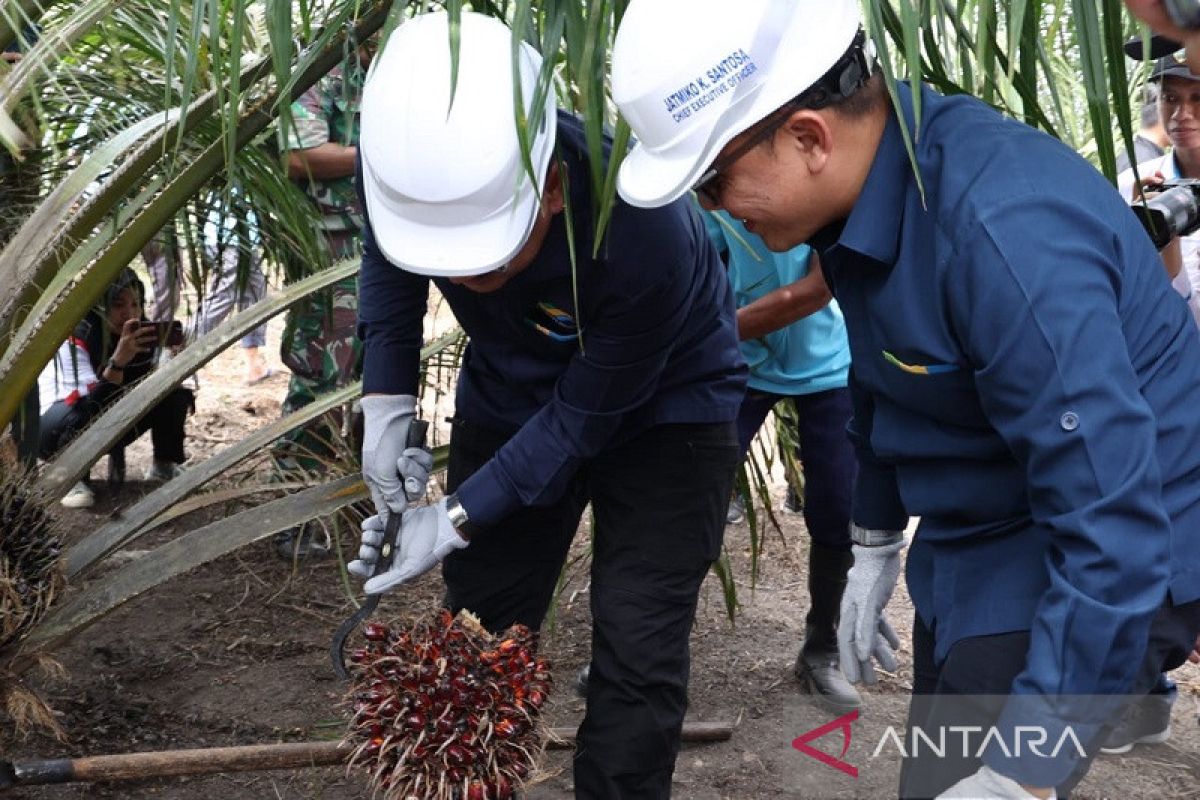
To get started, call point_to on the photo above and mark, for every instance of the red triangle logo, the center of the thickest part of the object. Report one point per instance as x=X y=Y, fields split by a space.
x=842 y=723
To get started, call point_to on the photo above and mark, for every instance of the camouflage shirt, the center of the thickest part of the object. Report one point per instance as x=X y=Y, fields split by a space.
x=328 y=112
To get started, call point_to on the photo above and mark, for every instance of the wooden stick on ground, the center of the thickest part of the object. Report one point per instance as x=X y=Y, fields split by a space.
x=247 y=758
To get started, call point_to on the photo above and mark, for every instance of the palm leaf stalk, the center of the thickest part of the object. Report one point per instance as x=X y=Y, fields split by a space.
x=21 y=366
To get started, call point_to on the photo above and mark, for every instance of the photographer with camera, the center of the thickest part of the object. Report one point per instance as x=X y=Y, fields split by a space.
x=1179 y=110
x=111 y=348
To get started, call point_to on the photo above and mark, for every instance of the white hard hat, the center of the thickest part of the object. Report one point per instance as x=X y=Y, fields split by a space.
x=689 y=75
x=446 y=189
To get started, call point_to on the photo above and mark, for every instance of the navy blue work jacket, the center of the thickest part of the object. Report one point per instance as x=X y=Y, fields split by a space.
x=1027 y=382
x=652 y=341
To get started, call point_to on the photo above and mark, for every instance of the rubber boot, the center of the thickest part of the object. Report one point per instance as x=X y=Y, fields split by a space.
x=817 y=666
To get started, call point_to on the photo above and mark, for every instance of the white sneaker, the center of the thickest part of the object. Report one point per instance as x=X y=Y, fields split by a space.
x=80 y=496
x=162 y=471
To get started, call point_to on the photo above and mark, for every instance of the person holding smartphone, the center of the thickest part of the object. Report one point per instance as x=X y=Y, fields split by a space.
x=111 y=348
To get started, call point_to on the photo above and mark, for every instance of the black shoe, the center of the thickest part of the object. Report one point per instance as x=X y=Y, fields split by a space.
x=792 y=503
x=299 y=543
x=736 y=513
x=821 y=675
x=1146 y=721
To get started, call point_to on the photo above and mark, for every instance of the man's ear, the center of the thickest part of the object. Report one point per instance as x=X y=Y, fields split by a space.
x=552 y=191
x=808 y=133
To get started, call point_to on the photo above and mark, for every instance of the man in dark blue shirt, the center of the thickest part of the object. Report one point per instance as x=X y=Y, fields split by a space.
x=599 y=370
x=1025 y=379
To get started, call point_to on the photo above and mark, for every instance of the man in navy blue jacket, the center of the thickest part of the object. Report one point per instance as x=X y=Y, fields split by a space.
x=1025 y=380
x=598 y=370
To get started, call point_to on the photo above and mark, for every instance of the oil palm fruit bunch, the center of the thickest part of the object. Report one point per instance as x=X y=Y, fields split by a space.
x=445 y=710
x=30 y=581
x=30 y=577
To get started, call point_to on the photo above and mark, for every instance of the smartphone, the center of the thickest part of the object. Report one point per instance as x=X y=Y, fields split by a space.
x=170 y=332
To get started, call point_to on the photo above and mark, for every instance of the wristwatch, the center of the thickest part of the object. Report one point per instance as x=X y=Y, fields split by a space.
x=870 y=537
x=458 y=515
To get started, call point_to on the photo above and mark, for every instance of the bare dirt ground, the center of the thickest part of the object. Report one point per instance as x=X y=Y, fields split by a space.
x=236 y=652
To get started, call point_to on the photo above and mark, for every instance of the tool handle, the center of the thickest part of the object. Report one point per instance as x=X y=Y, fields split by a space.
x=418 y=431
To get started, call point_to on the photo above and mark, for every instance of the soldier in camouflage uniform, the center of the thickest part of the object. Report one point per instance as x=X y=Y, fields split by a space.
x=320 y=346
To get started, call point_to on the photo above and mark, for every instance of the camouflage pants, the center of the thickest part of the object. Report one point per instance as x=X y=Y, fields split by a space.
x=321 y=348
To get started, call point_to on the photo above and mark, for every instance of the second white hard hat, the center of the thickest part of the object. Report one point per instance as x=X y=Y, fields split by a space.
x=446 y=190
x=689 y=75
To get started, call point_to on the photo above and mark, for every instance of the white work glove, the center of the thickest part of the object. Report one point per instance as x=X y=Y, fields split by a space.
x=987 y=784
x=368 y=551
x=426 y=537
x=394 y=473
x=863 y=633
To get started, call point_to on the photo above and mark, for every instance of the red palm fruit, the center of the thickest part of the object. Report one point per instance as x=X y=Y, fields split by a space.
x=503 y=789
x=359 y=655
x=509 y=711
x=477 y=790
x=535 y=698
x=505 y=728
x=376 y=632
x=458 y=756
x=508 y=647
x=414 y=722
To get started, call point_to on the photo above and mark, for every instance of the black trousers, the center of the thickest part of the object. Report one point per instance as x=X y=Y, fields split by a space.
x=983 y=668
x=62 y=423
x=824 y=450
x=659 y=510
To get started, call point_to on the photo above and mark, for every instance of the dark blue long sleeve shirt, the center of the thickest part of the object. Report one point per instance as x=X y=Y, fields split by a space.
x=1027 y=382
x=651 y=341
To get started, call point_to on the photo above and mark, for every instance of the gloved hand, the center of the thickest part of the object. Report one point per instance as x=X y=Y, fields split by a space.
x=392 y=472
x=368 y=552
x=987 y=784
x=863 y=633
x=426 y=537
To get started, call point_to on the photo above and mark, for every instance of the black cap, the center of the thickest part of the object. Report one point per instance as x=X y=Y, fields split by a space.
x=1172 y=66
x=1159 y=46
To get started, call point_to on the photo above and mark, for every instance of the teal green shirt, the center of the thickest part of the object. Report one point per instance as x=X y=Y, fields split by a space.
x=810 y=355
